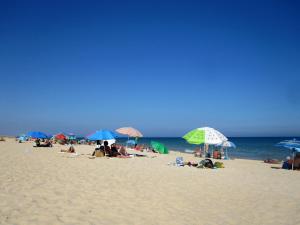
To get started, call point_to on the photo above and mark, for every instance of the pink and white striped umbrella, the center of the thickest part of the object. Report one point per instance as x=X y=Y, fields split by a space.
x=130 y=131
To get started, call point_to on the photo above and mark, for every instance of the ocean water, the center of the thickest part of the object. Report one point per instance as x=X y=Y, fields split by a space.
x=258 y=148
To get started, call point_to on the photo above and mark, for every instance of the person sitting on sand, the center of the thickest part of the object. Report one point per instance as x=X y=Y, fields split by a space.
x=98 y=144
x=287 y=164
x=71 y=149
x=114 y=150
x=107 y=149
x=297 y=161
x=37 y=143
x=123 y=151
x=46 y=144
x=197 y=152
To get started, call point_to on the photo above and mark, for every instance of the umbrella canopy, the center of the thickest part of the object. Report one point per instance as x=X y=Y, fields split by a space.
x=37 y=134
x=290 y=144
x=102 y=135
x=130 y=131
x=23 y=138
x=71 y=136
x=227 y=144
x=60 y=137
x=205 y=135
x=159 y=147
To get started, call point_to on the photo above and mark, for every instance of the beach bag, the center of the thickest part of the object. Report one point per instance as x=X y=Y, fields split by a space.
x=201 y=164
x=179 y=161
x=99 y=153
x=219 y=165
x=208 y=163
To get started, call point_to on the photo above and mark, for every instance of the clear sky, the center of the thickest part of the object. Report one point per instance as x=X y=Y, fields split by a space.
x=164 y=67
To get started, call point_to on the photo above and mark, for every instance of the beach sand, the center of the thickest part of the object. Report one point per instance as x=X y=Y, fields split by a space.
x=41 y=186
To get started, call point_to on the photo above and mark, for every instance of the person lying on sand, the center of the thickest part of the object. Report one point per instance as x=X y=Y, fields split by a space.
x=71 y=149
x=272 y=161
x=46 y=144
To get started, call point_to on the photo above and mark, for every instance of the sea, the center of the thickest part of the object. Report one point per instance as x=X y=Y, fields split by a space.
x=256 y=148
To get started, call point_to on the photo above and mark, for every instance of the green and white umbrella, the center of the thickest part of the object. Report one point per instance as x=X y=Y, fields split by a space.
x=205 y=135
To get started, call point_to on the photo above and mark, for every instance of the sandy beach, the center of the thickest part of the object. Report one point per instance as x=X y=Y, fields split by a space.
x=43 y=186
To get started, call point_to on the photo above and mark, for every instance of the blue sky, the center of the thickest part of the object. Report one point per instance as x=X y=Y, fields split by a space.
x=164 y=67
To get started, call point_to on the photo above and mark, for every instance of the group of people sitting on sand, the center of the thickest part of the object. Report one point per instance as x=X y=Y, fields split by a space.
x=112 y=151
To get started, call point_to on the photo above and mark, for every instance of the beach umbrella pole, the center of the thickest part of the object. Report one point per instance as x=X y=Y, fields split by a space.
x=293 y=159
x=127 y=141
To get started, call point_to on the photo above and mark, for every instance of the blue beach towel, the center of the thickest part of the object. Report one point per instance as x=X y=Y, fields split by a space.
x=179 y=161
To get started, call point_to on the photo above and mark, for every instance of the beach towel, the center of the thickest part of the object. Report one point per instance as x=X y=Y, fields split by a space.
x=179 y=161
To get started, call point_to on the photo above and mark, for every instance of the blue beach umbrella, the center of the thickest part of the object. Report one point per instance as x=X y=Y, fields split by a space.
x=227 y=144
x=37 y=134
x=130 y=142
x=293 y=145
x=102 y=135
x=22 y=138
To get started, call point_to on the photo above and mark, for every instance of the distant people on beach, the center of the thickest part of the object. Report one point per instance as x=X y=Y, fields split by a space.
x=71 y=149
x=292 y=162
x=46 y=144
x=37 y=143
x=107 y=149
x=198 y=152
x=114 y=151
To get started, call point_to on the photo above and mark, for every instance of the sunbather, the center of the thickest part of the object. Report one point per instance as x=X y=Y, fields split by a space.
x=71 y=149
x=123 y=152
